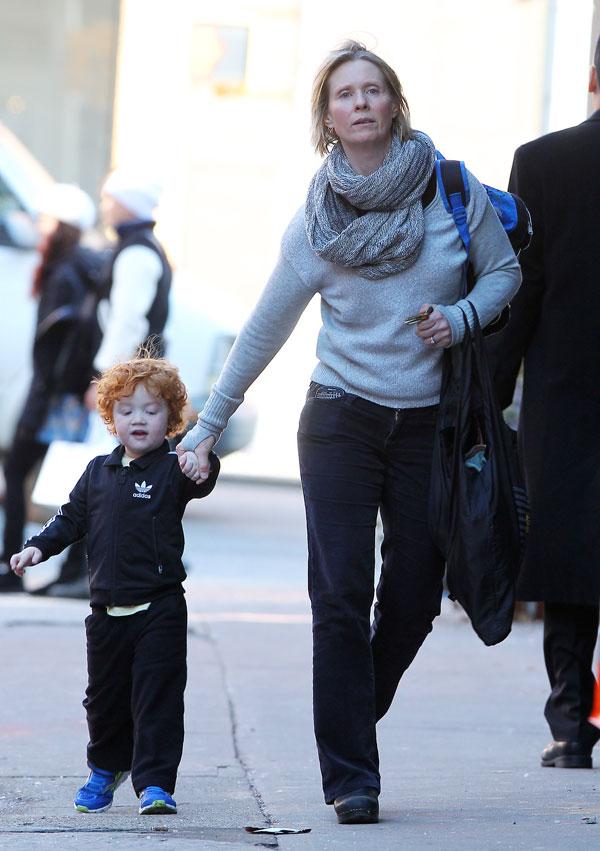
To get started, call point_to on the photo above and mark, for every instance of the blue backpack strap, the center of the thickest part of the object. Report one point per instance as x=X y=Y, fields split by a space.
x=513 y=214
x=454 y=190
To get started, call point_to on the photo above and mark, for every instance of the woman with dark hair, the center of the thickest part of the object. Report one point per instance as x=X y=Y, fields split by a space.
x=375 y=241
x=62 y=285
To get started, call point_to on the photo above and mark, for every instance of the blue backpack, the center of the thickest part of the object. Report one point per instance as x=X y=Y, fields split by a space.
x=510 y=209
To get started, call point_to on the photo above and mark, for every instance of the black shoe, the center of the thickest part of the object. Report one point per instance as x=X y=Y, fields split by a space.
x=358 y=807
x=9 y=581
x=76 y=589
x=567 y=755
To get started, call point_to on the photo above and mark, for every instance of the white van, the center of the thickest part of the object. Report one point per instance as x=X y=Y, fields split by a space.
x=197 y=344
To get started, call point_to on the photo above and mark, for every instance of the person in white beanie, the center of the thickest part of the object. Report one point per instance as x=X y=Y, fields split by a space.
x=67 y=277
x=135 y=295
x=139 y=275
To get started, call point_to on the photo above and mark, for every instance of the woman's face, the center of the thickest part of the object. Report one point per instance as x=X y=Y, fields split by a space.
x=360 y=108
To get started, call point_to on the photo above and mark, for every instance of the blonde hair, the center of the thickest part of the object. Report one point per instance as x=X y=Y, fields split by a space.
x=323 y=137
x=158 y=376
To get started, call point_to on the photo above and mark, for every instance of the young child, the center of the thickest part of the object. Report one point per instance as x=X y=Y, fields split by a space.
x=130 y=504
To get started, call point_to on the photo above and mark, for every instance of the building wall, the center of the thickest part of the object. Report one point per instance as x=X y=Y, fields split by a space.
x=236 y=157
x=57 y=69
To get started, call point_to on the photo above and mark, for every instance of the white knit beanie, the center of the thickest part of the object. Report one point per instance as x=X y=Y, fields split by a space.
x=69 y=204
x=137 y=192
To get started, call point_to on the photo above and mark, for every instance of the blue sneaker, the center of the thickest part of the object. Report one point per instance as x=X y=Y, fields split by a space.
x=155 y=801
x=96 y=794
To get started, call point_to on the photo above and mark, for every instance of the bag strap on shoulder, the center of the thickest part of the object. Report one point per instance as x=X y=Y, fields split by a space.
x=454 y=191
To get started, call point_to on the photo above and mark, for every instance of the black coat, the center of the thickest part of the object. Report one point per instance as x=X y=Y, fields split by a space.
x=555 y=330
x=57 y=361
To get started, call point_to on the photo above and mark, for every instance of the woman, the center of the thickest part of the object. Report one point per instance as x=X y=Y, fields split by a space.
x=375 y=241
x=63 y=284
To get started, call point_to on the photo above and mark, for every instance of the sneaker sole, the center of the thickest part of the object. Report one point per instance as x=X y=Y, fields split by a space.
x=157 y=808
x=82 y=809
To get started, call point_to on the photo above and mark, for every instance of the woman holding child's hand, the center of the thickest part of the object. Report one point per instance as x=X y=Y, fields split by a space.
x=195 y=463
x=374 y=240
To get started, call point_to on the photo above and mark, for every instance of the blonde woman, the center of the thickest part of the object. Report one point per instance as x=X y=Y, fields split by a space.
x=376 y=243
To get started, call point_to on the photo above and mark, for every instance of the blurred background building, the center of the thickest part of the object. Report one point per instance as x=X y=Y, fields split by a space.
x=213 y=98
x=58 y=61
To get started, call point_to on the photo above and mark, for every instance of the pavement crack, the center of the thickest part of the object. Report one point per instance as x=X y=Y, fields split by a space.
x=234 y=725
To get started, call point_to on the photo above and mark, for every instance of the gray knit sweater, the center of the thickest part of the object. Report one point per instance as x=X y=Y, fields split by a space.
x=363 y=345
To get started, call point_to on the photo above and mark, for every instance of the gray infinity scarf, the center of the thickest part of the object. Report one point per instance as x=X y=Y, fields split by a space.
x=387 y=237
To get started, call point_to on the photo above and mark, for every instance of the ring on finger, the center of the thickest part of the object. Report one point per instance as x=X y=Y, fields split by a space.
x=433 y=341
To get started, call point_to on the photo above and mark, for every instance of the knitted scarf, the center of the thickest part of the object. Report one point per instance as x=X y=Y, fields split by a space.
x=386 y=238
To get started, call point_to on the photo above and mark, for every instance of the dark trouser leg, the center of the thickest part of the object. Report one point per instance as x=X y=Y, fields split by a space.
x=410 y=587
x=110 y=643
x=570 y=634
x=342 y=479
x=23 y=457
x=159 y=675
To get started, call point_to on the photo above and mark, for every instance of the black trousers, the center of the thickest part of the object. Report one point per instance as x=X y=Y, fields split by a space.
x=134 y=700
x=358 y=458
x=570 y=634
x=25 y=453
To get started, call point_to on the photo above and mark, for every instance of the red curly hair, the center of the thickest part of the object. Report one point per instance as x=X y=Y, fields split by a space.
x=159 y=377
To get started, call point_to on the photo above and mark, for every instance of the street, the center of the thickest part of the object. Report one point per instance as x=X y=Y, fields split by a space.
x=459 y=748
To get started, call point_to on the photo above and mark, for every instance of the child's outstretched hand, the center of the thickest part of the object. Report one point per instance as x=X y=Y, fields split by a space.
x=27 y=557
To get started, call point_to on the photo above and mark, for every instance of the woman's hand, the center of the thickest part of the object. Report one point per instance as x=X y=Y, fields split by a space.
x=434 y=331
x=27 y=557
x=196 y=464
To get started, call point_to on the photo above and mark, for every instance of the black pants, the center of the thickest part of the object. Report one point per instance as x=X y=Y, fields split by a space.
x=25 y=453
x=134 y=700
x=356 y=458
x=570 y=634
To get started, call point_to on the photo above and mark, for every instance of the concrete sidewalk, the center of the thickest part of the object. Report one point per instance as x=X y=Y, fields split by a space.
x=459 y=749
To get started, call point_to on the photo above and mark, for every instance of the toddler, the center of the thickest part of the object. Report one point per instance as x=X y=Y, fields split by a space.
x=130 y=504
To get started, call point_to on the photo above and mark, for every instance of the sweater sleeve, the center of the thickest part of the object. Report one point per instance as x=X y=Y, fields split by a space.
x=495 y=266
x=270 y=324
x=68 y=525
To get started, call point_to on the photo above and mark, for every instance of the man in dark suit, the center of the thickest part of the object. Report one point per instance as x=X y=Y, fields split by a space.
x=555 y=329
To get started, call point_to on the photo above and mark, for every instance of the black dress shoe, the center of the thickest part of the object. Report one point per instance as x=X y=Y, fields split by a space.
x=567 y=755
x=78 y=589
x=358 y=807
x=9 y=581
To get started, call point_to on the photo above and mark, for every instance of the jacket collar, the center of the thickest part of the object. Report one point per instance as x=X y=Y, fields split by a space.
x=115 y=459
x=132 y=226
x=595 y=116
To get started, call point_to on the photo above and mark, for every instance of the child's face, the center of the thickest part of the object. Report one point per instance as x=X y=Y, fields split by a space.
x=140 y=421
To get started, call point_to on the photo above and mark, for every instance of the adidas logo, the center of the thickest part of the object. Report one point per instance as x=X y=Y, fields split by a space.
x=142 y=491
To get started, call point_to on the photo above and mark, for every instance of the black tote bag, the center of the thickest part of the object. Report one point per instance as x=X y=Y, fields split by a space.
x=478 y=512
